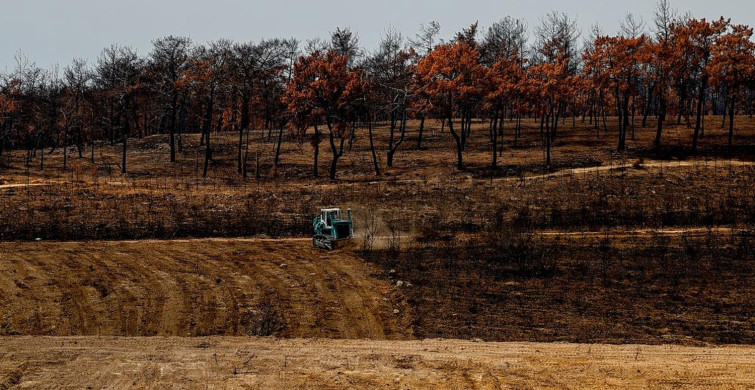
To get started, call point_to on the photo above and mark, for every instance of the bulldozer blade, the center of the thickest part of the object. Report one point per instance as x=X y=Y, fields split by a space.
x=322 y=242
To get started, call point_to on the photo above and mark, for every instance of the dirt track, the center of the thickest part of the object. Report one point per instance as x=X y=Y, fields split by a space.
x=722 y=164
x=646 y=232
x=223 y=362
x=654 y=164
x=22 y=185
x=192 y=288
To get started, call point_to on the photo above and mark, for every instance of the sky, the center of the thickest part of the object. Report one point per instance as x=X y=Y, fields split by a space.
x=50 y=32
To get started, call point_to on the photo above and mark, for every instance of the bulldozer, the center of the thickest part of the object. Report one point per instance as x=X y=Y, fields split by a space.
x=330 y=228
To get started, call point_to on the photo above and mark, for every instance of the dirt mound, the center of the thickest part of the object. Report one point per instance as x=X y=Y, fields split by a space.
x=193 y=288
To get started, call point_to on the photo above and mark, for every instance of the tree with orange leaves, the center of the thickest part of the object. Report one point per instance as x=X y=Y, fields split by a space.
x=552 y=75
x=451 y=77
x=695 y=40
x=733 y=65
x=504 y=85
x=323 y=90
x=661 y=60
x=614 y=61
x=549 y=86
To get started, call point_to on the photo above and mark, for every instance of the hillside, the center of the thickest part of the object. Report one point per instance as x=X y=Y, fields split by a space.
x=193 y=288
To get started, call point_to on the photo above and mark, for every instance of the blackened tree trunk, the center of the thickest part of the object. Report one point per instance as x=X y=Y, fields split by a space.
x=123 y=160
x=626 y=121
x=336 y=150
x=547 y=135
x=181 y=124
x=80 y=140
x=661 y=119
x=372 y=147
x=518 y=129
x=207 y=130
x=172 y=129
x=500 y=130
x=126 y=131
x=392 y=148
x=421 y=130
x=246 y=155
x=725 y=111
x=698 y=121
x=65 y=147
x=316 y=146
x=682 y=105
x=41 y=144
x=278 y=145
x=243 y=126
x=731 y=121
x=460 y=137
x=494 y=139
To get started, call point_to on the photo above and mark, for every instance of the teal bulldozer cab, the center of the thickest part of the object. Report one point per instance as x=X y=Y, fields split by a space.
x=330 y=227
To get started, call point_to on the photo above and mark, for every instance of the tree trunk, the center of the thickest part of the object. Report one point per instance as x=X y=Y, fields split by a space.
x=243 y=126
x=257 y=166
x=402 y=129
x=457 y=138
x=500 y=130
x=65 y=147
x=555 y=115
x=337 y=151
x=389 y=155
x=80 y=139
x=724 y=112
x=548 y=141
x=661 y=119
x=181 y=126
x=518 y=129
x=123 y=159
x=207 y=154
x=731 y=121
x=372 y=146
x=42 y=156
x=241 y=148
x=634 y=98
x=278 y=146
x=682 y=105
x=316 y=145
x=646 y=107
x=246 y=155
x=173 y=109
x=494 y=139
x=698 y=122
x=126 y=131
x=421 y=130
x=207 y=131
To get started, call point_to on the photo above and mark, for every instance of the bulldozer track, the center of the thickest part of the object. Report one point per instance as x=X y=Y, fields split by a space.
x=191 y=288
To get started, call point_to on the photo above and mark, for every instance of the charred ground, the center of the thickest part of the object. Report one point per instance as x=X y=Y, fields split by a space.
x=645 y=246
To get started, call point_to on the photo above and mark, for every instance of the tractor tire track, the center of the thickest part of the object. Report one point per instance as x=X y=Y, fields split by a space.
x=190 y=288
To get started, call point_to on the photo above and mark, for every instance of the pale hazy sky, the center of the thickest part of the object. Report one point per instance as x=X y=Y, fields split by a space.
x=56 y=31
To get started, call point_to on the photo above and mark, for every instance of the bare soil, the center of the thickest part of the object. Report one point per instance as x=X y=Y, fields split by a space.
x=193 y=288
x=640 y=247
x=266 y=363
